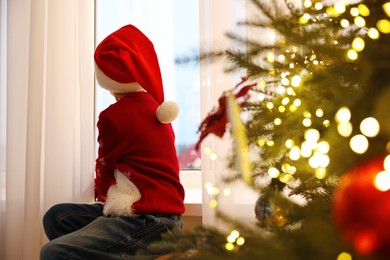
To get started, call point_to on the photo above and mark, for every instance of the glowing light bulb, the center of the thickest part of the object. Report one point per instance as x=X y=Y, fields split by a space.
x=297 y=102
x=359 y=21
x=277 y=121
x=296 y=81
x=318 y=6
x=369 y=127
x=382 y=181
x=260 y=96
x=271 y=57
x=231 y=239
x=359 y=144
x=330 y=11
x=306 y=150
x=343 y=115
x=213 y=156
x=345 y=129
x=319 y=112
x=292 y=170
x=290 y=92
x=358 y=44
x=373 y=33
x=210 y=188
x=270 y=105
x=286 y=178
x=285 y=101
x=285 y=167
x=383 y=26
x=289 y=143
x=261 y=84
x=339 y=7
x=323 y=147
x=281 y=109
x=344 y=23
x=323 y=160
x=229 y=246
x=314 y=162
x=386 y=8
x=294 y=153
x=320 y=173
x=352 y=55
x=213 y=204
x=326 y=123
x=363 y=10
x=292 y=108
x=208 y=185
x=386 y=163
x=285 y=81
x=273 y=172
x=207 y=150
x=261 y=142
x=304 y=18
x=306 y=122
x=312 y=135
x=306 y=114
x=307 y=3
x=235 y=234
x=240 y=241
x=227 y=192
x=344 y=256
x=270 y=143
x=354 y=11
x=280 y=90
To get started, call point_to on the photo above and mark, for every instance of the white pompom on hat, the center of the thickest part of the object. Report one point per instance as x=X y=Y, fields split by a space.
x=127 y=56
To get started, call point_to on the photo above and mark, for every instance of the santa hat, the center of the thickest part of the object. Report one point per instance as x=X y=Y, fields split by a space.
x=127 y=56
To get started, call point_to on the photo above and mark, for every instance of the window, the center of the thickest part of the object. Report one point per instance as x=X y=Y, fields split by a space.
x=177 y=29
x=173 y=27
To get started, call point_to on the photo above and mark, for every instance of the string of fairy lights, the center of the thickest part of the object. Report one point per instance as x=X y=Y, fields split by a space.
x=313 y=149
x=369 y=127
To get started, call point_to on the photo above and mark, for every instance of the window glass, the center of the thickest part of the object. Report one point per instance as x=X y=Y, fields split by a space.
x=173 y=27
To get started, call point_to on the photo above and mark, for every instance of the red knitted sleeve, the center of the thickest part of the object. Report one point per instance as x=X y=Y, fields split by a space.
x=109 y=152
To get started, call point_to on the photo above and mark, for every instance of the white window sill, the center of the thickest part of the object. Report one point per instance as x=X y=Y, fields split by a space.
x=192 y=182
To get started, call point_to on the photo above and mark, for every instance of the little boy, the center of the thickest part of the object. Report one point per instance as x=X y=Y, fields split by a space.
x=137 y=172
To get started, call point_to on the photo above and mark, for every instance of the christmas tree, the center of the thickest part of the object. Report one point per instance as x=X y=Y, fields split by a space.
x=310 y=117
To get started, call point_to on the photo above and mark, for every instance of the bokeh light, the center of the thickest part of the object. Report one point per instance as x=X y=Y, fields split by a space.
x=359 y=144
x=369 y=127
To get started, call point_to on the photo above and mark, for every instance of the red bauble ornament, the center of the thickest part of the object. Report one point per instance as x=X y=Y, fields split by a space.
x=362 y=212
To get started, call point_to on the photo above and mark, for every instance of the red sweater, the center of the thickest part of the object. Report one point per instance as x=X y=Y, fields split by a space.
x=132 y=140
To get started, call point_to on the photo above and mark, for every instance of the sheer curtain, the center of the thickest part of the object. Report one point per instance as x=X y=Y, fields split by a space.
x=49 y=87
x=236 y=200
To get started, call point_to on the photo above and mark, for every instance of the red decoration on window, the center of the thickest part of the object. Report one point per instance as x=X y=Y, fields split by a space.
x=215 y=122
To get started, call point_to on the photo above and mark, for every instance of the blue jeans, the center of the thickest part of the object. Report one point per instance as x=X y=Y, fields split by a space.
x=81 y=231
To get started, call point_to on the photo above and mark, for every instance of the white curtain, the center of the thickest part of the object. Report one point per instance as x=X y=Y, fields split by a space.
x=49 y=89
x=236 y=200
